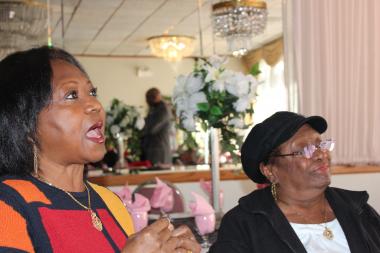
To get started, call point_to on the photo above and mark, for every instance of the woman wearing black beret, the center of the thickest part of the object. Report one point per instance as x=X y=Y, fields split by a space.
x=299 y=212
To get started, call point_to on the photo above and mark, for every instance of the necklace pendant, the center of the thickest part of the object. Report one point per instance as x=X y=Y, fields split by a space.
x=328 y=234
x=96 y=222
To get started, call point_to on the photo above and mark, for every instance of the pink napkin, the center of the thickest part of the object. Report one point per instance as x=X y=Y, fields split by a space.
x=138 y=209
x=200 y=206
x=125 y=194
x=206 y=187
x=162 y=197
x=141 y=203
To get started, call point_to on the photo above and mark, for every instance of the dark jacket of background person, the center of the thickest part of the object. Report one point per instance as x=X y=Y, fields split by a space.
x=258 y=225
x=156 y=134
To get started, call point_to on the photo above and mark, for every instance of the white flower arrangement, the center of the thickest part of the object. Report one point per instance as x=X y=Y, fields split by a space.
x=215 y=97
x=126 y=120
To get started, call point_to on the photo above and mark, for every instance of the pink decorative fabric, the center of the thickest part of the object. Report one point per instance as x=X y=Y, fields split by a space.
x=138 y=208
x=162 y=197
x=200 y=206
x=206 y=187
x=204 y=214
x=125 y=194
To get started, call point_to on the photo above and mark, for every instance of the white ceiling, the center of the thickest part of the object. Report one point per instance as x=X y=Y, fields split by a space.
x=121 y=27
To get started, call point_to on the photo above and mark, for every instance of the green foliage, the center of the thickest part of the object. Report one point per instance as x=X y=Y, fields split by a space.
x=255 y=69
x=124 y=119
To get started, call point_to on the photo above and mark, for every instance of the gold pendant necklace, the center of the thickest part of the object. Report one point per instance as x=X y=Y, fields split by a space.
x=327 y=233
x=96 y=222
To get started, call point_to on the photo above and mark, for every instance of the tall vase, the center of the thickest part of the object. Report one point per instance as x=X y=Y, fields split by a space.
x=121 y=149
x=215 y=174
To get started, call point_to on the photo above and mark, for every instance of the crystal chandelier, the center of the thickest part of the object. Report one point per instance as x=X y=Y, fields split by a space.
x=23 y=24
x=238 y=21
x=171 y=47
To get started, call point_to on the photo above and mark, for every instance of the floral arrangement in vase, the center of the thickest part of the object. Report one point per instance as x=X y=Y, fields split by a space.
x=126 y=120
x=215 y=97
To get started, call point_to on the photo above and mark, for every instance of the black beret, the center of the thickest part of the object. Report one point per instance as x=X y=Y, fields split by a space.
x=268 y=135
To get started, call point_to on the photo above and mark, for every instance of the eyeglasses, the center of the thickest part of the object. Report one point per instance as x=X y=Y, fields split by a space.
x=308 y=151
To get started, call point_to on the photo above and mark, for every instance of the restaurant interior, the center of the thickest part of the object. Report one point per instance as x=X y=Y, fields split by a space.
x=314 y=58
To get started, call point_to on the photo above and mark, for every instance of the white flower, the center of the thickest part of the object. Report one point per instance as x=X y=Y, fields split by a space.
x=179 y=87
x=195 y=99
x=190 y=91
x=109 y=119
x=241 y=104
x=188 y=123
x=119 y=107
x=180 y=104
x=238 y=85
x=114 y=113
x=115 y=129
x=217 y=61
x=132 y=113
x=218 y=85
x=212 y=73
x=128 y=113
x=194 y=84
x=236 y=122
x=140 y=123
x=124 y=122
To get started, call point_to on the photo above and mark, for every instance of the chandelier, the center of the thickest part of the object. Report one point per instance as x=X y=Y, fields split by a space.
x=23 y=24
x=171 y=47
x=238 y=21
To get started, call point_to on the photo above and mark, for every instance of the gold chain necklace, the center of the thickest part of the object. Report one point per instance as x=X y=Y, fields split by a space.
x=96 y=222
x=327 y=233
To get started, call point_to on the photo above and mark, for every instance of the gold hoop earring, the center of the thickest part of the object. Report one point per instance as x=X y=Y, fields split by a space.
x=35 y=160
x=273 y=188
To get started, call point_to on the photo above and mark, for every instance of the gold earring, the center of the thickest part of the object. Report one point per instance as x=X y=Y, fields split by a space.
x=35 y=160
x=273 y=188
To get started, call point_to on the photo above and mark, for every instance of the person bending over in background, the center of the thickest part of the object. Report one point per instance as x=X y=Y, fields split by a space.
x=156 y=132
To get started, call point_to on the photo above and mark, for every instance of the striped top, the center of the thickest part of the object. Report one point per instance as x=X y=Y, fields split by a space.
x=36 y=217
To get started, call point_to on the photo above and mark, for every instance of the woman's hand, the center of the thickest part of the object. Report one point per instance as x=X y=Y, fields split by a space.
x=185 y=240
x=160 y=238
x=151 y=239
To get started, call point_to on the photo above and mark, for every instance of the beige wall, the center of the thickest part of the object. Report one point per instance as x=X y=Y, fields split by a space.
x=116 y=77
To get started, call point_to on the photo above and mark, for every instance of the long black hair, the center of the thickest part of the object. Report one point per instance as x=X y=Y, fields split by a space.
x=25 y=89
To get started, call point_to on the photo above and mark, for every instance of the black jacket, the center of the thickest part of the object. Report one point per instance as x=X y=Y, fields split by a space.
x=156 y=134
x=258 y=225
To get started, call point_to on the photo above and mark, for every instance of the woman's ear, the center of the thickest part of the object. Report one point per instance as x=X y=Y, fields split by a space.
x=267 y=171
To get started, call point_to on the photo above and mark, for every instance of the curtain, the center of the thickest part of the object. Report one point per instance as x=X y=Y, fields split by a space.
x=271 y=53
x=271 y=91
x=332 y=49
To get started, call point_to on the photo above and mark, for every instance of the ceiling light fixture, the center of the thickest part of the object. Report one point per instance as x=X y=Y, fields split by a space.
x=23 y=24
x=238 y=21
x=171 y=47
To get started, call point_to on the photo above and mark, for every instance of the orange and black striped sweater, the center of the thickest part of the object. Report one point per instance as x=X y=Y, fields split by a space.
x=36 y=217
